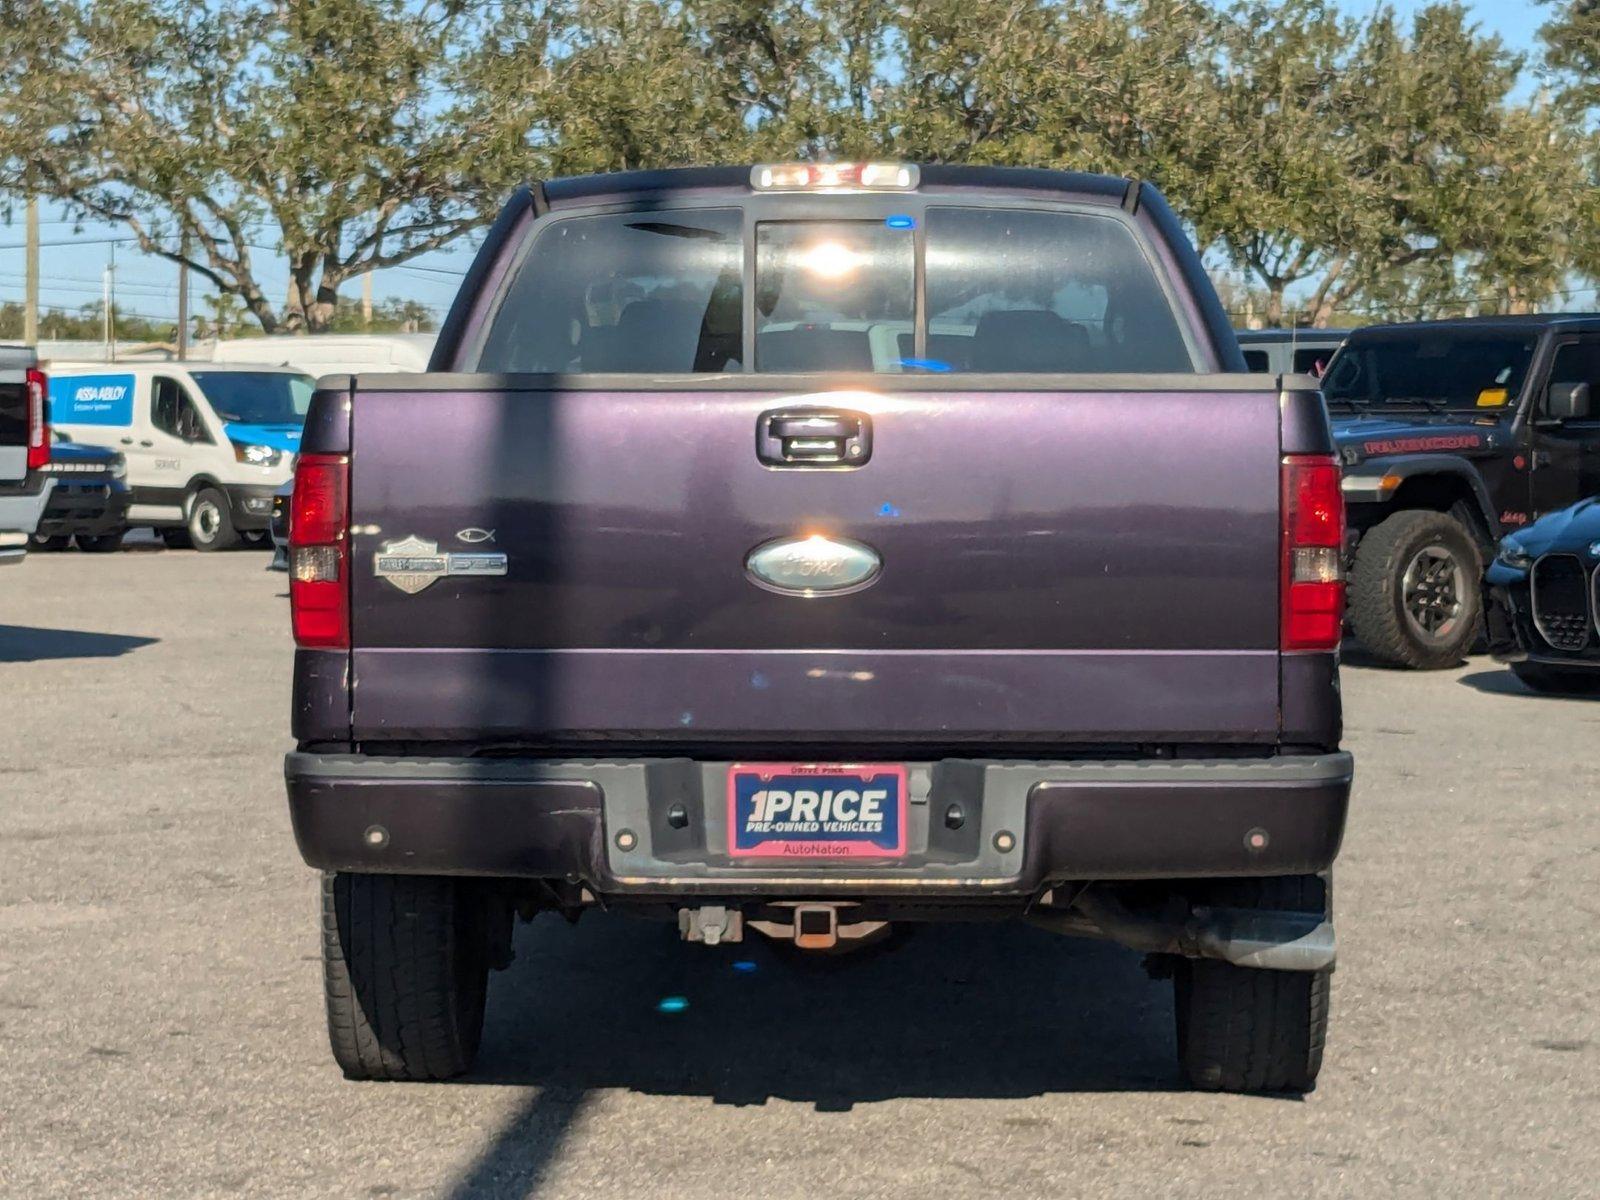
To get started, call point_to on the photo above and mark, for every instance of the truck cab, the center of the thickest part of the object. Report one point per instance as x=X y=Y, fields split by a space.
x=1451 y=434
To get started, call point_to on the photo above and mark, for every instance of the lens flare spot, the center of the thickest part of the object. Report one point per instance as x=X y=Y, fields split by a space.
x=830 y=260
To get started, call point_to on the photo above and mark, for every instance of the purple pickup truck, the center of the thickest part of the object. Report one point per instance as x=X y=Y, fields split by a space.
x=805 y=550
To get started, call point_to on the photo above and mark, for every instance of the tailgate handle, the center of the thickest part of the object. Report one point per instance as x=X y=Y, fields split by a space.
x=813 y=437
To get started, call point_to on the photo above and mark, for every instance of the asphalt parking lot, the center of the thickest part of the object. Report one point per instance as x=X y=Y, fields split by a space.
x=161 y=1030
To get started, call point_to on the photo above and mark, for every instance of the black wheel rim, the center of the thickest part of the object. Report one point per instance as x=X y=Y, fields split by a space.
x=1431 y=594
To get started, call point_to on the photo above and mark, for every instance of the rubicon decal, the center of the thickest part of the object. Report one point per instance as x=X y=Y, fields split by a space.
x=801 y=811
x=1413 y=445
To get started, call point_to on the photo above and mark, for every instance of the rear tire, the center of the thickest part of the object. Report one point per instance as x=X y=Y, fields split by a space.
x=1414 y=590
x=59 y=541
x=210 y=524
x=1557 y=681
x=1246 y=1030
x=100 y=543
x=405 y=965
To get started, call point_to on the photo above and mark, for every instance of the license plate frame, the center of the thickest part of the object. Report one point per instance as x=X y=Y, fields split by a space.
x=755 y=832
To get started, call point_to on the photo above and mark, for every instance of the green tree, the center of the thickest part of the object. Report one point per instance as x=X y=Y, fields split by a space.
x=224 y=319
x=85 y=324
x=345 y=134
x=390 y=315
x=1348 y=163
x=636 y=85
x=1572 y=49
x=1572 y=55
x=1450 y=172
x=1269 y=174
x=1097 y=85
x=1380 y=163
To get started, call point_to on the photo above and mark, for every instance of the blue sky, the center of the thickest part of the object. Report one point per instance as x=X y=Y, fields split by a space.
x=1516 y=21
x=73 y=265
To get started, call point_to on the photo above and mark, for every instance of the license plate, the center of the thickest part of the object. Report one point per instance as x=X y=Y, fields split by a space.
x=810 y=811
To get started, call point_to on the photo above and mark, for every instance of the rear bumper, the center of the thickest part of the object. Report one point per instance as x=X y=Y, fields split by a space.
x=543 y=819
x=22 y=504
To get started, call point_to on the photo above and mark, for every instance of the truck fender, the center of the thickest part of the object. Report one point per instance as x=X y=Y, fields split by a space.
x=1377 y=480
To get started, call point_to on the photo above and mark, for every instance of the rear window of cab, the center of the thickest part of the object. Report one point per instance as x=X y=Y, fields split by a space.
x=1005 y=290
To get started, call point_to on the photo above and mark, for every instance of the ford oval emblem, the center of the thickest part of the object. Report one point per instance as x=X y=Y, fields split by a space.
x=813 y=566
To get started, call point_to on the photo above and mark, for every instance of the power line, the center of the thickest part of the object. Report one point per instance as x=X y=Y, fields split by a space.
x=84 y=289
x=430 y=270
x=83 y=279
x=69 y=281
x=110 y=241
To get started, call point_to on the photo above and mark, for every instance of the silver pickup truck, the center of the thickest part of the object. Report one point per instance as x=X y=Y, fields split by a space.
x=24 y=450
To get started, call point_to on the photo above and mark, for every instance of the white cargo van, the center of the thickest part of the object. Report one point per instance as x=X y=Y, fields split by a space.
x=206 y=443
x=333 y=353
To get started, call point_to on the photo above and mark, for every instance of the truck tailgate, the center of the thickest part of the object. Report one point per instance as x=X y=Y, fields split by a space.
x=1095 y=567
x=13 y=424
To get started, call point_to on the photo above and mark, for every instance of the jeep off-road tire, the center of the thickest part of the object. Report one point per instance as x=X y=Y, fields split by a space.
x=1246 y=1030
x=405 y=964
x=1558 y=681
x=1414 y=590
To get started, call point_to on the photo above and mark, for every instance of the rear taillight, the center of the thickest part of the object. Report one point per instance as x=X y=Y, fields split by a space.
x=38 y=422
x=319 y=552
x=1313 y=553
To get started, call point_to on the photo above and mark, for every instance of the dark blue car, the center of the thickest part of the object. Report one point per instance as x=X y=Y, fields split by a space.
x=89 y=504
x=1542 y=601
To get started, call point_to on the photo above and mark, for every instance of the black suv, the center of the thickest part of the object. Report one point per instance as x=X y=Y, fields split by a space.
x=1453 y=433
x=89 y=504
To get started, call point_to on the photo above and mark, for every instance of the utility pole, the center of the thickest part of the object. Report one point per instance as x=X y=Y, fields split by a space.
x=183 y=297
x=30 y=316
x=108 y=301
x=366 y=300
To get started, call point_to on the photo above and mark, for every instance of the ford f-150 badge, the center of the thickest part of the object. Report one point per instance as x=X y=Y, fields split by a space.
x=809 y=566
